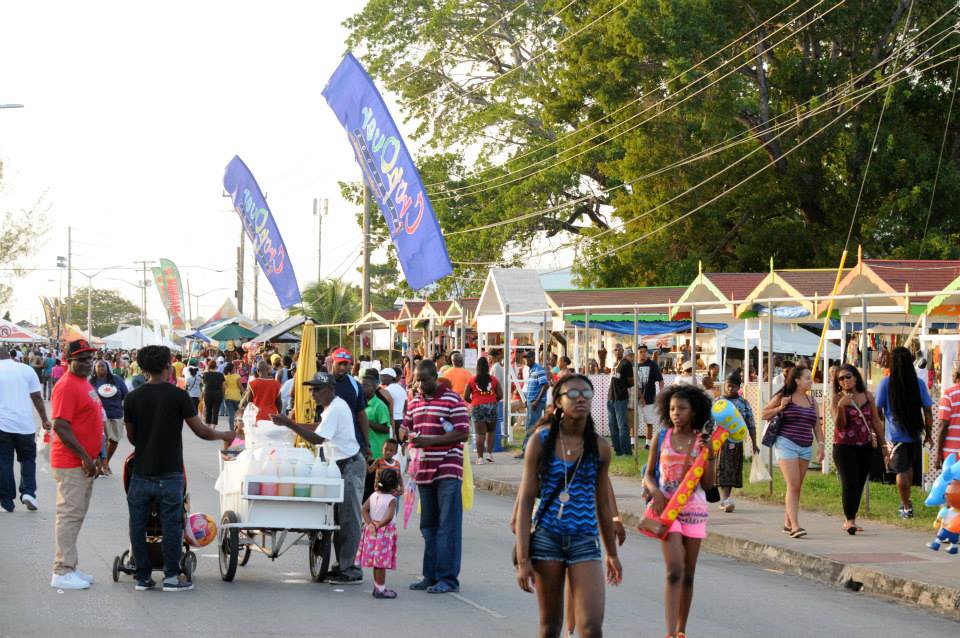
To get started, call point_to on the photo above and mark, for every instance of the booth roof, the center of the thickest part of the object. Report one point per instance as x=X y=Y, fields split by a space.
x=616 y=296
x=919 y=274
x=646 y=328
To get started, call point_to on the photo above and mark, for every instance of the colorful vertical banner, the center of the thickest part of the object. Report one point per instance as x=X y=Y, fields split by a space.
x=268 y=248
x=161 y=289
x=172 y=292
x=389 y=171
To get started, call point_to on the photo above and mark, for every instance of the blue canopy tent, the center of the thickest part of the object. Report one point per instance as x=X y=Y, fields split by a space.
x=648 y=328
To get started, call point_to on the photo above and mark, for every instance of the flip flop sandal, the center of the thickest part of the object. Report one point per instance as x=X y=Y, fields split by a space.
x=786 y=530
x=798 y=533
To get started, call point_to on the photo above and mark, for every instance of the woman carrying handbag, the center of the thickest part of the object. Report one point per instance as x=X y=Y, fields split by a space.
x=858 y=430
x=799 y=424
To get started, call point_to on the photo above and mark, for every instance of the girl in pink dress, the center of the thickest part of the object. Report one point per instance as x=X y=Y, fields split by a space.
x=378 y=544
x=683 y=410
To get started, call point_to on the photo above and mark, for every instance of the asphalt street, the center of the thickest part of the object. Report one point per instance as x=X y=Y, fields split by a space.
x=276 y=598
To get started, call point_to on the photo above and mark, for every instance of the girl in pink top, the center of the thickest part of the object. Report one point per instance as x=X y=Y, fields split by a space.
x=684 y=410
x=378 y=544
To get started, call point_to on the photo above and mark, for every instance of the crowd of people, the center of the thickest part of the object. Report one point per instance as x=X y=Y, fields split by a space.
x=387 y=424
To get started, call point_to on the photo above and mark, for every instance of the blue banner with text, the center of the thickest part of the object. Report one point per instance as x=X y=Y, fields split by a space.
x=262 y=230
x=390 y=173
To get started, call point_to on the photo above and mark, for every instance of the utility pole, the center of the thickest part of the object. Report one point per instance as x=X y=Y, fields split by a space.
x=240 y=271
x=143 y=298
x=320 y=216
x=365 y=296
x=189 y=307
x=256 y=280
x=69 y=274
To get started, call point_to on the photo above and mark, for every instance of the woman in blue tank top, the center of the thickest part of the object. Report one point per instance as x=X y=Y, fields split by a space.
x=567 y=468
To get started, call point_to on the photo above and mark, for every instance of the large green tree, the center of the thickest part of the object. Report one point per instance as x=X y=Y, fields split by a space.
x=109 y=309
x=521 y=106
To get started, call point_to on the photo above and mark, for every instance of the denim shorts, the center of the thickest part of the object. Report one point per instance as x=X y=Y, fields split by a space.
x=788 y=450
x=569 y=550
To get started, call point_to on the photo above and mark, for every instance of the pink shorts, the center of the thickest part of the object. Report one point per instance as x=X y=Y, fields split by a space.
x=690 y=530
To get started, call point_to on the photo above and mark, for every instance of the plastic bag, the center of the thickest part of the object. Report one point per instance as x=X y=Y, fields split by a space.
x=758 y=469
x=43 y=444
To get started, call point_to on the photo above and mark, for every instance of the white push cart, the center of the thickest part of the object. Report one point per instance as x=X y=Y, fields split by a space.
x=272 y=525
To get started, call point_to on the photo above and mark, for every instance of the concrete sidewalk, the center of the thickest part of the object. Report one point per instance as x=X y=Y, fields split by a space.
x=882 y=560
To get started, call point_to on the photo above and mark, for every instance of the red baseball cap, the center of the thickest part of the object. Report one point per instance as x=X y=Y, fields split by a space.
x=78 y=346
x=341 y=354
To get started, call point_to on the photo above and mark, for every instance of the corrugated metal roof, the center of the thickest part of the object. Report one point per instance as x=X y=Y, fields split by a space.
x=811 y=282
x=919 y=274
x=735 y=285
x=599 y=297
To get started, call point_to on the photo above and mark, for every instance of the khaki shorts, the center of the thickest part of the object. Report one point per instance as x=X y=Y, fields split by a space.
x=116 y=431
x=649 y=414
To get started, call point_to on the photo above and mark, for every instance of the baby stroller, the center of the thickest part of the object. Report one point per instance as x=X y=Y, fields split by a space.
x=124 y=562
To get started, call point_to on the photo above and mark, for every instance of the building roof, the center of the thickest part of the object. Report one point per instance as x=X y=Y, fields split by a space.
x=919 y=274
x=735 y=285
x=616 y=297
x=411 y=308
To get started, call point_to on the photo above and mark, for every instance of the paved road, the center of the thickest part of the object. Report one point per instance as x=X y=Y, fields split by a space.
x=732 y=600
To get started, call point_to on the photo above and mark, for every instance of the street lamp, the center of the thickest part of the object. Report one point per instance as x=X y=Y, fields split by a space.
x=90 y=297
x=196 y=298
x=11 y=106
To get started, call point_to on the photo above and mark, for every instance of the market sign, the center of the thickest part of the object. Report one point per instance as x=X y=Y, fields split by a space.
x=390 y=173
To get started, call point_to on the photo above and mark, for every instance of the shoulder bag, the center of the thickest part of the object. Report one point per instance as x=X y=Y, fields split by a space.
x=772 y=430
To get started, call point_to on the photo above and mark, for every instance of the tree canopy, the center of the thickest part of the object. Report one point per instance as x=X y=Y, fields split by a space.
x=329 y=301
x=601 y=125
x=109 y=310
x=22 y=232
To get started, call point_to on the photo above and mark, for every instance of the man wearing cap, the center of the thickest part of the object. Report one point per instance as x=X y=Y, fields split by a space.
x=336 y=427
x=19 y=387
x=686 y=374
x=536 y=397
x=621 y=380
x=75 y=457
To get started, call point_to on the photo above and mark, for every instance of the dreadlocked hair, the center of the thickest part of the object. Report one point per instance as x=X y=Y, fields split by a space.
x=905 y=391
x=591 y=450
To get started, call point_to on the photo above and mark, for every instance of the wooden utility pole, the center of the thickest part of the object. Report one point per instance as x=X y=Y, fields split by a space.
x=365 y=296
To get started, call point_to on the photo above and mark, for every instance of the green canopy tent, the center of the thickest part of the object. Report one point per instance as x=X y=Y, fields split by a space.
x=232 y=332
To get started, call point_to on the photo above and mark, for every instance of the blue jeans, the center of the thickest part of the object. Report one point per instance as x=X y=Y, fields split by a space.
x=619 y=428
x=534 y=414
x=231 y=407
x=166 y=491
x=25 y=446
x=441 y=523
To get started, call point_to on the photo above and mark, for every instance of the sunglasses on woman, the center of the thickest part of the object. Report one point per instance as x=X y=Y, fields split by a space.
x=844 y=377
x=576 y=394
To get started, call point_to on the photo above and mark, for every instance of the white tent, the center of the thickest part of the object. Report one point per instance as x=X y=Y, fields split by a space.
x=130 y=337
x=522 y=291
x=787 y=338
x=12 y=333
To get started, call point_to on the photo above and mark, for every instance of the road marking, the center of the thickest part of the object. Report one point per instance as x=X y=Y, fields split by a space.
x=296 y=581
x=477 y=605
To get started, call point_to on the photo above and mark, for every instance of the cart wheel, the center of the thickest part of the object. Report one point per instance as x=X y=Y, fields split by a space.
x=320 y=555
x=116 y=569
x=126 y=565
x=188 y=564
x=229 y=539
x=246 y=556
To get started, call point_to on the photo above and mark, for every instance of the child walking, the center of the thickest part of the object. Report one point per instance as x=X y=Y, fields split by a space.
x=378 y=544
x=684 y=410
x=730 y=464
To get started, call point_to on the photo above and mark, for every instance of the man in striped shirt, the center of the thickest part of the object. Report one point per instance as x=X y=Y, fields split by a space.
x=436 y=424
x=948 y=442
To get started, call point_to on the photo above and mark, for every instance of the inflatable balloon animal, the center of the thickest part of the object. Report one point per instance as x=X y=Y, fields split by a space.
x=948 y=520
x=730 y=424
x=950 y=473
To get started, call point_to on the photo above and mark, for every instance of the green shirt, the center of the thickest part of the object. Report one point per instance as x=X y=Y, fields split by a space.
x=378 y=412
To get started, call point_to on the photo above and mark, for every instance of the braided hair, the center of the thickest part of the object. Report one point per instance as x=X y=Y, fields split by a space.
x=591 y=451
x=905 y=391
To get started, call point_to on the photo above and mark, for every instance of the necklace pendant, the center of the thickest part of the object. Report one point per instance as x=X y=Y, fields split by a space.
x=564 y=497
x=560 y=512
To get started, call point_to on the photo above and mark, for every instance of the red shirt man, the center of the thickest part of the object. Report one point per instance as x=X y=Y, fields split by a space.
x=74 y=459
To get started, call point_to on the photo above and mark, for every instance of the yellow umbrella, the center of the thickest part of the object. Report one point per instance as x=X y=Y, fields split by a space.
x=305 y=410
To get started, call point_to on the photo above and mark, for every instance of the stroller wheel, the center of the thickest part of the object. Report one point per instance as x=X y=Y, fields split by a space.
x=116 y=569
x=188 y=564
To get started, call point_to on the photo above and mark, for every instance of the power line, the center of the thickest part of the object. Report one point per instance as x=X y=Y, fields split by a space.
x=873 y=144
x=728 y=144
x=625 y=106
x=936 y=177
x=879 y=86
x=560 y=162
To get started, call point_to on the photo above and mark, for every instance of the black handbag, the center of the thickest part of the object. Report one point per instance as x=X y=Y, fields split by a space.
x=773 y=430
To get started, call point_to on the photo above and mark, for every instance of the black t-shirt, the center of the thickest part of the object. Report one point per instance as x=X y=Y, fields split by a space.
x=648 y=374
x=619 y=384
x=157 y=412
x=213 y=384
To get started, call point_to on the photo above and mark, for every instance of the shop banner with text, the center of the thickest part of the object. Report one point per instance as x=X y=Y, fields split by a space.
x=268 y=248
x=161 y=288
x=390 y=173
x=173 y=292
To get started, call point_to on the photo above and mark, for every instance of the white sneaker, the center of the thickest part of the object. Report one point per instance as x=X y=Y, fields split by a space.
x=68 y=581
x=29 y=501
x=83 y=576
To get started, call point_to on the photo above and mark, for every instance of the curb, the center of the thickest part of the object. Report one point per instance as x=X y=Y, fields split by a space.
x=944 y=600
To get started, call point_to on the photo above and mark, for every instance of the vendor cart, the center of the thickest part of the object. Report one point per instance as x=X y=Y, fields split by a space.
x=271 y=525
